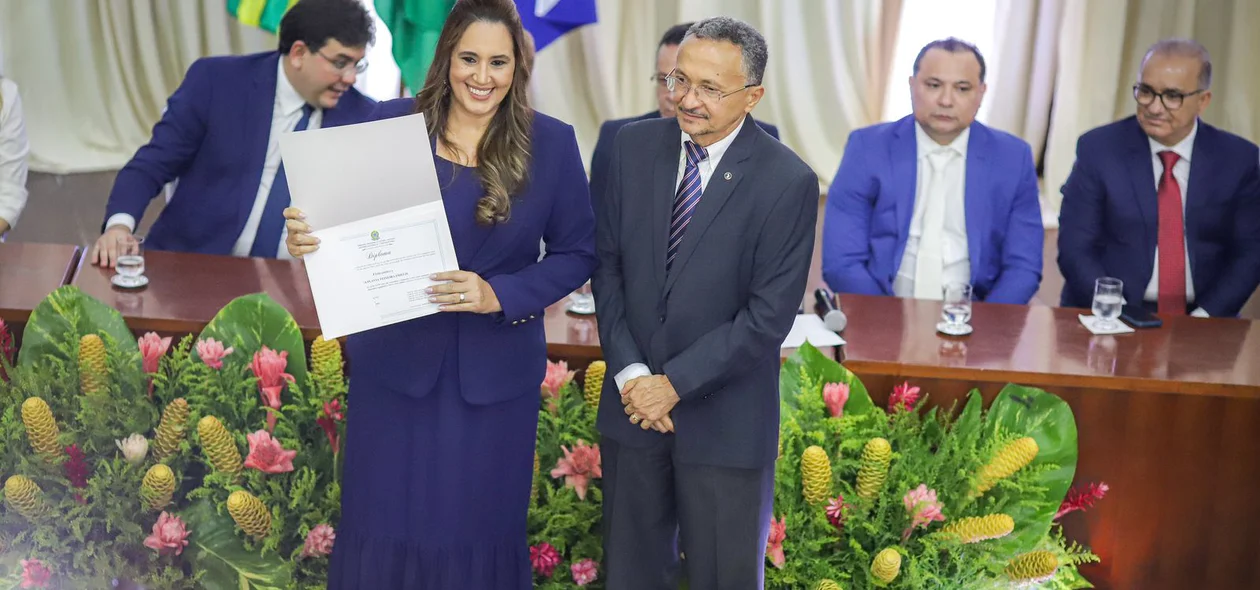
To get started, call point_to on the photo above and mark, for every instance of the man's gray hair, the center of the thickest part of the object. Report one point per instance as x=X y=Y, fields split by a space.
x=1184 y=48
x=750 y=42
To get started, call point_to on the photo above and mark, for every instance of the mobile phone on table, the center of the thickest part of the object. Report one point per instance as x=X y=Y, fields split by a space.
x=1138 y=317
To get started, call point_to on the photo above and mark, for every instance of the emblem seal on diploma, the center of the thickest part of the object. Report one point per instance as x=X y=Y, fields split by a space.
x=377 y=211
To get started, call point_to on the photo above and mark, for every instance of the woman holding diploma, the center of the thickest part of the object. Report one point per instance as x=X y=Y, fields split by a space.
x=444 y=409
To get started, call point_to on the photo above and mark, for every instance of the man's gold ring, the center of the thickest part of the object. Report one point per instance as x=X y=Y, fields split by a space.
x=634 y=418
x=461 y=297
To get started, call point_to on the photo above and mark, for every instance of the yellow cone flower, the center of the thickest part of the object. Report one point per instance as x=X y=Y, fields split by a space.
x=815 y=475
x=93 y=371
x=158 y=486
x=1034 y=567
x=1013 y=457
x=326 y=363
x=41 y=427
x=974 y=529
x=593 y=382
x=827 y=585
x=170 y=430
x=250 y=514
x=219 y=445
x=533 y=483
x=874 y=467
x=25 y=497
x=887 y=566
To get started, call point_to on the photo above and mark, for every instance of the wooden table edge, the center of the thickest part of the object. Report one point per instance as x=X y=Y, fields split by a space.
x=1049 y=381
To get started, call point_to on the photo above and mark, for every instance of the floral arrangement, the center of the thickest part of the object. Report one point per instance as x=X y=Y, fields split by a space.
x=208 y=463
x=905 y=497
x=866 y=497
x=565 y=504
x=212 y=463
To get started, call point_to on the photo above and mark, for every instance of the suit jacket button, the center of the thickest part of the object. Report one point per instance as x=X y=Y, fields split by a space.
x=515 y=322
x=662 y=318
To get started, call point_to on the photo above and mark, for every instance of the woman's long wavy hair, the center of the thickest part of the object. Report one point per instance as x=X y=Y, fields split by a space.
x=504 y=152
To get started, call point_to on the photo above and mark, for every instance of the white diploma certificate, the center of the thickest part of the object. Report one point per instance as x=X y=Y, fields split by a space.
x=370 y=194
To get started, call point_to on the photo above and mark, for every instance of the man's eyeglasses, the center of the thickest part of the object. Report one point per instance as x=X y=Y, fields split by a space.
x=342 y=64
x=1171 y=99
x=706 y=93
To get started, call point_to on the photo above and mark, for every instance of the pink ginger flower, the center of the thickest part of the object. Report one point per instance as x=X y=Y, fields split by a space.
x=544 y=558
x=836 y=394
x=169 y=535
x=578 y=467
x=266 y=454
x=1082 y=499
x=268 y=366
x=212 y=352
x=6 y=349
x=923 y=508
x=558 y=375
x=835 y=512
x=774 y=545
x=903 y=398
x=35 y=574
x=584 y=572
x=152 y=349
x=332 y=415
x=319 y=542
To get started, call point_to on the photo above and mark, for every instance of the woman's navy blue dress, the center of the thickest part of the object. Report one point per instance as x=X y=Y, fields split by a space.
x=435 y=489
x=443 y=410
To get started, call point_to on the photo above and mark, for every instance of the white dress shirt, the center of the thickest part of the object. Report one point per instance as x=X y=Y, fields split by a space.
x=1181 y=173
x=707 y=166
x=940 y=229
x=14 y=149
x=285 y=114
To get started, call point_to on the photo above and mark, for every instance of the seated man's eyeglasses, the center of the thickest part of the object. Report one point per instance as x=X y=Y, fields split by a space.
x=341 y=64
x=677 y=84
x=1171 y=98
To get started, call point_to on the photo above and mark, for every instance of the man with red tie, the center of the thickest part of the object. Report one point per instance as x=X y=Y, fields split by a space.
x=1162 y=200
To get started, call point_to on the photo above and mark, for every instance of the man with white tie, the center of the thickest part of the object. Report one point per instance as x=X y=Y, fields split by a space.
x=936 y=197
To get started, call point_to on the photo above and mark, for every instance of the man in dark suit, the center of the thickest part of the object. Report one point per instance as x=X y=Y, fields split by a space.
x=1163 y=201
x=666 y=57
x=220 y=137
x=704 y=237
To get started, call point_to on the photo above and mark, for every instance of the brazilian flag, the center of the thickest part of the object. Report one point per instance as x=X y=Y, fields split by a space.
x=264 y=14
x=415 y=26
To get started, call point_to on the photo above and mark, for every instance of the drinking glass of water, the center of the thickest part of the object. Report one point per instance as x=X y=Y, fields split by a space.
x=956 y=310
x=582 y=301
x=1108 y=299
x=130 y=263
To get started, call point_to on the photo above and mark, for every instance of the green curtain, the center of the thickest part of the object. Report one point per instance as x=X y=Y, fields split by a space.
x=415 y=26
x=264 y=14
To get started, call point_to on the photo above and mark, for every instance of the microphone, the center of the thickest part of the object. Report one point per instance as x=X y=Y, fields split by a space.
x=826 y=306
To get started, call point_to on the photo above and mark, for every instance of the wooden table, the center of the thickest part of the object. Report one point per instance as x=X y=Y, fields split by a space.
x=28 y=273
x=575 y=338
x=1168 y=418
x=185 y=291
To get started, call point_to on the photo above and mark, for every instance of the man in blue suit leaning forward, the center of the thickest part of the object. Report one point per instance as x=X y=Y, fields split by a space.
x=1163 y=201
x=220 y=137
x=936 y=198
